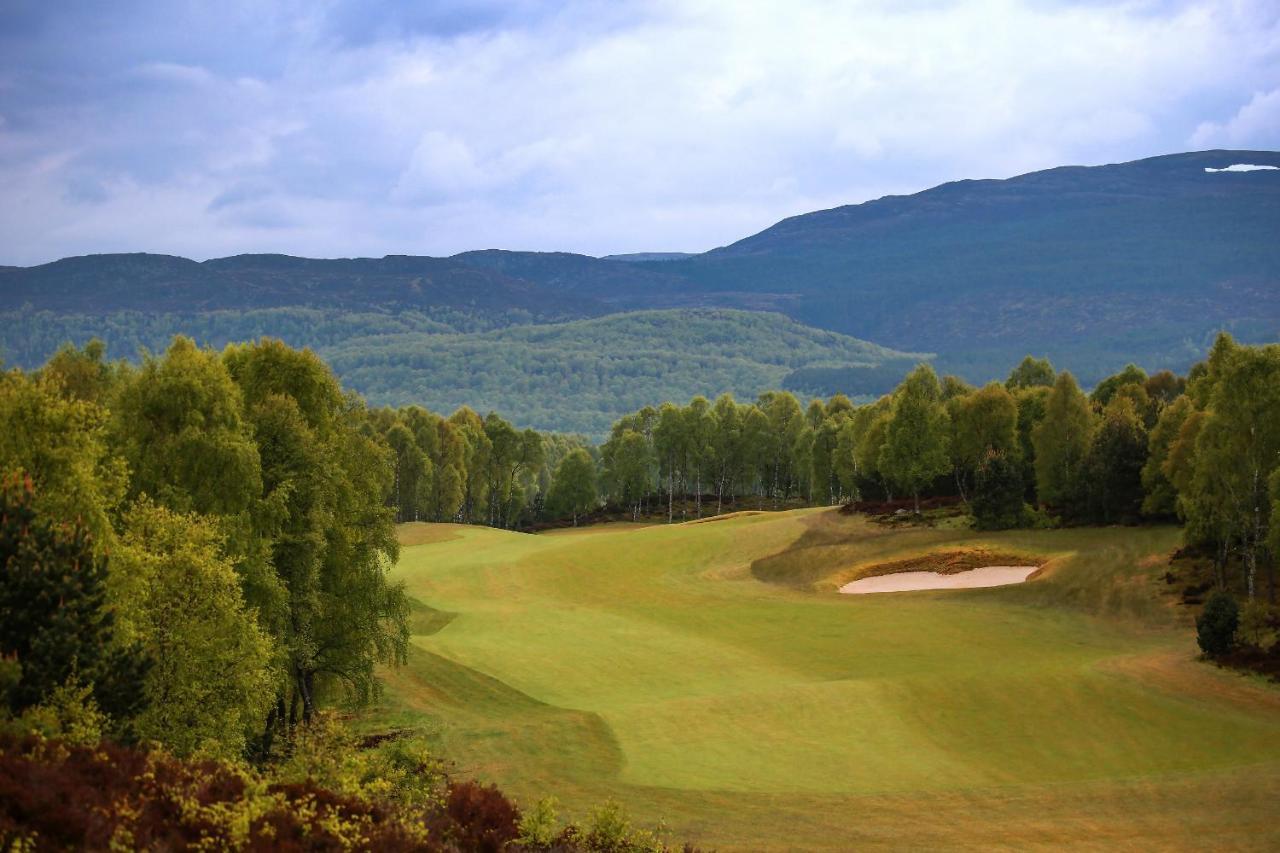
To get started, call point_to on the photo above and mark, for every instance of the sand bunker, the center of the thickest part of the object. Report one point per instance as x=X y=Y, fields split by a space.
x=910 y=581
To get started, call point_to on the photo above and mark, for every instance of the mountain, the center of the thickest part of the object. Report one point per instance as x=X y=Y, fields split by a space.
x=634 y=257
x=1092 y=266
x=101 y=284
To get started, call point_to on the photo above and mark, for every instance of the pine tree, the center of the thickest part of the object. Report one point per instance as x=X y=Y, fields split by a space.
x=54 y=621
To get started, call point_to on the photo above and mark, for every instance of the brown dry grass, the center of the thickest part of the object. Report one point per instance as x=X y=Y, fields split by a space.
x=427 y=533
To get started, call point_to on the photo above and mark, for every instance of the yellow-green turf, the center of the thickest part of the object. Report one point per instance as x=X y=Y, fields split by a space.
x=708 y=676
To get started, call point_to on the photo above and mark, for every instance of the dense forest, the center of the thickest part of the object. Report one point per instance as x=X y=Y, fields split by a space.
x=576 y=376
x=196 y=547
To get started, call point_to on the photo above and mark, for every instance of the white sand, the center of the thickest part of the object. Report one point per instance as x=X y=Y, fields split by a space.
x=909 y=581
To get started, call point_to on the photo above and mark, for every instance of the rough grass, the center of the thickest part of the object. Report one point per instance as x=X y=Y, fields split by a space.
x=653 y=665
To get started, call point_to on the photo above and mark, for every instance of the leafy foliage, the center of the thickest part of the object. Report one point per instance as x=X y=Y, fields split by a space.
x=1216 y=624
x=54 y=620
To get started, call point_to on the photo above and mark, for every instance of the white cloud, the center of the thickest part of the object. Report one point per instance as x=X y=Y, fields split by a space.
x=610 y=127
x=1257 y=123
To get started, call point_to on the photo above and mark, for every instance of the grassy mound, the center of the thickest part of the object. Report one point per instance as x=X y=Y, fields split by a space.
x=652 y=665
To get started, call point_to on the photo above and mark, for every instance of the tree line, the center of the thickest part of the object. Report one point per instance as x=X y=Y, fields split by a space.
x=1035 y=450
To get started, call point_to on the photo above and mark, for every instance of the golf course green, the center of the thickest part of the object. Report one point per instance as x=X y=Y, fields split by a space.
x=709 y=676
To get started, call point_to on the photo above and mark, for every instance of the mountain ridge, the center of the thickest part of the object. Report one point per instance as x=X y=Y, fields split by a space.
x=1094 y=266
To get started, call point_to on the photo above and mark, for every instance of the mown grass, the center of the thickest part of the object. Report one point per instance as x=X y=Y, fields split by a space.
x=708 y=675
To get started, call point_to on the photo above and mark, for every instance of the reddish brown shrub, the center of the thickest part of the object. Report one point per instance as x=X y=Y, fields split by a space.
x=483 y=820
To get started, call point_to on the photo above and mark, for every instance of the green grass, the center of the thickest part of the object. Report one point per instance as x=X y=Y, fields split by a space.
x=653 y=664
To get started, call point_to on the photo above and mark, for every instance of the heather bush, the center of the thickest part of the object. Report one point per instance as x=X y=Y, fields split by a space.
x=483 y=820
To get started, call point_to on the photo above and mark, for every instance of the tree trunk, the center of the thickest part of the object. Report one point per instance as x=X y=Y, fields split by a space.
x=304 y=689
x=671 y=493
x=960 y=488
x=916 y=495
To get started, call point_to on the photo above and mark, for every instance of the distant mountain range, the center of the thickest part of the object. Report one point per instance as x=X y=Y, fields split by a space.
x=1092 y=266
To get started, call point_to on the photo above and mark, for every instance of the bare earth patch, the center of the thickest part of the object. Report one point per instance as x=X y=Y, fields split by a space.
x=969 y=579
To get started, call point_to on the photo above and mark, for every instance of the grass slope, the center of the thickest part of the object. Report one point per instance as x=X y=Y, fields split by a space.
x=652 y=664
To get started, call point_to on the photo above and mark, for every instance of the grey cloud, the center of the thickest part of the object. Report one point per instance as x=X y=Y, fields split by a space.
x=341 y=128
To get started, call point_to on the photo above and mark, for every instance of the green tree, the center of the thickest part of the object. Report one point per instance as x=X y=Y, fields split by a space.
x=1160 y=497
x=871 y=428
x=573 y=486
x=54 y=619
x=1107 y=388
x=476 y=448
x=1031 y=373
x=726 y=451
x=448 y=453
x=82 y=374
x=700 y=427
x=1238 y=448
x=60 y=443
x=1062 y=440
x=915 y=451
x=777 y=441
x=335 y=537
x=983 y=422
x=1031 y=407
x=1113 y=469
x=628 y=459
x=178 y=422
x=411 y=470
x=178 y=599
x=997 y=502
x=671 y=447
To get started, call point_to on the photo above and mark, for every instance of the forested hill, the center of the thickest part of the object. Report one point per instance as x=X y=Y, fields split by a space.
x=581 y=376
x=1092 y=266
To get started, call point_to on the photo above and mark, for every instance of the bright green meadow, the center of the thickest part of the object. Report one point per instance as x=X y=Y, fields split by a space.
x=708 y=676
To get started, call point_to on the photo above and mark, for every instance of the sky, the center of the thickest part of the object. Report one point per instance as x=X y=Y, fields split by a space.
x=337 y=128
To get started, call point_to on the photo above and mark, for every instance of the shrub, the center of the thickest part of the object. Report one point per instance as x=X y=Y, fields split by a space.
x=484 y=820
x=400 y=771
x=540 y=825
x=608 y=829
x=1216 y=625
x=1258 y=625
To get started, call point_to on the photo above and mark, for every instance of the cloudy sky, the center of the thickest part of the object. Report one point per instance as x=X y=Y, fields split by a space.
x=351 y=127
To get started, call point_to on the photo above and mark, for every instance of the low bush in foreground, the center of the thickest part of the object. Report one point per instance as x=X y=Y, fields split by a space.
x=59 y=795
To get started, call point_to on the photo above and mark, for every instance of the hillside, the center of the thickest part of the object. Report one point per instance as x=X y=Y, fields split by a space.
x=574 y=376
x=582 y=375
x=1092 y=266
x=102 y=284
